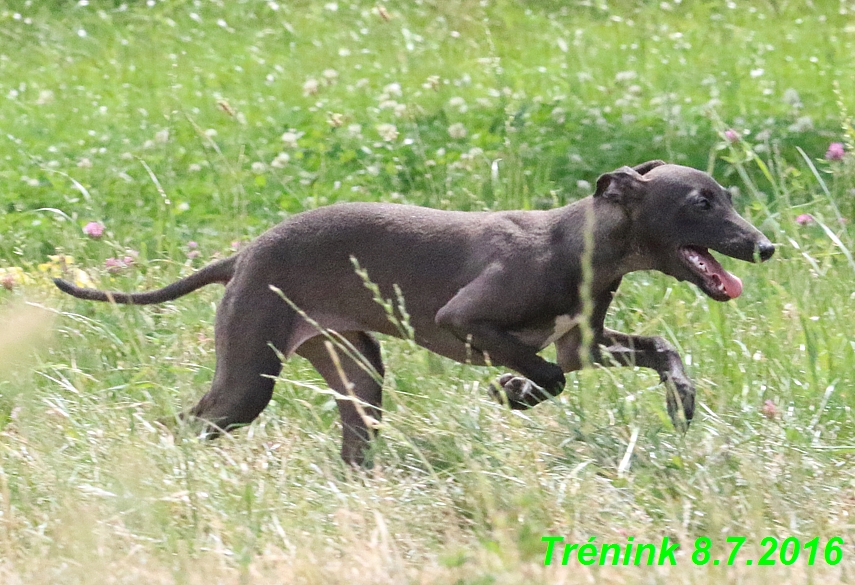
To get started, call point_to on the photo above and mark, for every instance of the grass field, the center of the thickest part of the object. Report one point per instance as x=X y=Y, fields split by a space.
x=185 y=128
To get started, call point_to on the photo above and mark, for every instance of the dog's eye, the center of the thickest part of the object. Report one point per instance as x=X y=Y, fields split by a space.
x=702 y=203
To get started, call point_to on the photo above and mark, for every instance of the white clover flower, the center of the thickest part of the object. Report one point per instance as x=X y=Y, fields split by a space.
x=336 y=120
x=623 y=76
x=433 y=82
x=281 y=160
x=355 y=130
x=802 y=124
x=458 y=103
x=210 y=133
x=194 y=168
x=331 y=75
x=84 y=163
x=393 y=89
x=258 y=167
x=387 y=132
x=584 y=186
x=310 y=87
x=45 y=97
x=388 y=104
x=162 y=136
x=792 y=98
x=400 y=110
x=290 y=138
x=457 y=131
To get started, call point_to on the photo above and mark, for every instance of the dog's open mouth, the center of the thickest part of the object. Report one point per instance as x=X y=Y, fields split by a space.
x=713 y=279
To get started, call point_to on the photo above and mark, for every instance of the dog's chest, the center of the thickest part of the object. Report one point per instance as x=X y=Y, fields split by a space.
x=542 y=337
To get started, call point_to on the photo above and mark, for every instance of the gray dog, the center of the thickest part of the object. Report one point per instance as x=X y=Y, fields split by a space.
x=482 y=288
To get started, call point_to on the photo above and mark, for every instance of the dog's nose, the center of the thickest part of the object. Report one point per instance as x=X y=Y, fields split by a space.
x=765 y=250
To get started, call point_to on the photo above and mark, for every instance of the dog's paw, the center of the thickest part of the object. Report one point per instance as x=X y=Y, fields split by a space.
x=517 y=392
x=680 y=400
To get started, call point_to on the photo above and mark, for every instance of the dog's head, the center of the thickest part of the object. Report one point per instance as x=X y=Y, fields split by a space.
x=678 y=214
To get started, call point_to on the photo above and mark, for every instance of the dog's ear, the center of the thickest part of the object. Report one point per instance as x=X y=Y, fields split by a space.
x=624 y=186
x=648 y=166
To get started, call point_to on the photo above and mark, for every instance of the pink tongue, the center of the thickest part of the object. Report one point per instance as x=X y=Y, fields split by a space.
x=732 y=284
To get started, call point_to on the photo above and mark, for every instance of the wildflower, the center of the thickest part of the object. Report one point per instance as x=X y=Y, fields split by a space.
x=769 y=410
x=115 y=265
x=393 y=89
x=457 y=131
x=804 y=219
x=432 y=82
x=194 y=167
x=7 y=281
x=192 y=250
x=280 y=161
x=335 y=120
x=290 y=138
x=802 y=124
x=94 y=229
x=792 y=98
x=258 y=167
x=387 y=132
x=162 y=136
x=835 y=151
x=45 y=97
x=310 y=87
x=13 y=276
x=331 y=75
x=731 y=135
x=210 y=133
x=61 y=265
x=458 y=103
x=84 y=163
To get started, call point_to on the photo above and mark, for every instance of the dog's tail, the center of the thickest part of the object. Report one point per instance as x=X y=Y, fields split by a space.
x=220 y=271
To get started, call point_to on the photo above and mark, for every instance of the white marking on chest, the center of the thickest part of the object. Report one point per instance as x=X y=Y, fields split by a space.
x=563 y=324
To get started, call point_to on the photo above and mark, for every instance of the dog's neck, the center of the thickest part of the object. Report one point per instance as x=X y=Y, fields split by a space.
x=615 y=252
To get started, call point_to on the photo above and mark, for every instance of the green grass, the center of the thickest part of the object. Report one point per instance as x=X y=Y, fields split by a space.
x=151 y=121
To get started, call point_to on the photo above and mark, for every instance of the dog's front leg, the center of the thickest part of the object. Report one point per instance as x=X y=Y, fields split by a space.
x=655 y=353
x=612 y=347
x=542 y=379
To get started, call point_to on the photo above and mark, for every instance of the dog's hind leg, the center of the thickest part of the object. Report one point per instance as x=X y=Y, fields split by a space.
x=246 y=362
x=358 y=379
